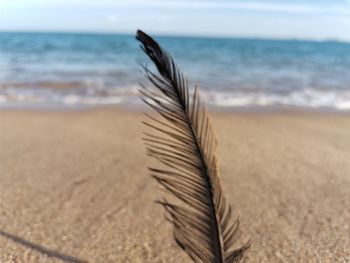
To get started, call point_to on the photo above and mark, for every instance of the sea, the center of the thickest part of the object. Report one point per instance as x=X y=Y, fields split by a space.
x=72 y=70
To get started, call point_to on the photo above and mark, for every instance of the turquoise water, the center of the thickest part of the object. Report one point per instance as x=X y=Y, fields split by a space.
x=93 y=69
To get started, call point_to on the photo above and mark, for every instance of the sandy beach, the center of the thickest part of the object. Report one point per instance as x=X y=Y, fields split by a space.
x=74 y=187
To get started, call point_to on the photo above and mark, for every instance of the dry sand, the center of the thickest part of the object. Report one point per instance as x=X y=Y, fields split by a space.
x=74 y=187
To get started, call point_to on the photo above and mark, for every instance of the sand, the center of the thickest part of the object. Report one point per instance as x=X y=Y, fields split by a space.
x=74 y=187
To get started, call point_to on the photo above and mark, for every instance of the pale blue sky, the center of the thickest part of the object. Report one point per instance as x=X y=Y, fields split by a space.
x=308 y=19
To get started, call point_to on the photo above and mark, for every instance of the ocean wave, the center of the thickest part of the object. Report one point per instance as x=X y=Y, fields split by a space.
x=307 y=98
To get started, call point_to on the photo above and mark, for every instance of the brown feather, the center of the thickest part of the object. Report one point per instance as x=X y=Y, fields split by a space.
x=186 y=144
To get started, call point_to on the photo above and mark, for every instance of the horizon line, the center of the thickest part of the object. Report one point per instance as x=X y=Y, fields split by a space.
x=177 y=35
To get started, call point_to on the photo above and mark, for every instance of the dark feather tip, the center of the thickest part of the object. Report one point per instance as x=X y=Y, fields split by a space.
x=145 y=39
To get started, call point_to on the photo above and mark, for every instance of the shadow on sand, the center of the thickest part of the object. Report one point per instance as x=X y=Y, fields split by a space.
x=41 y=249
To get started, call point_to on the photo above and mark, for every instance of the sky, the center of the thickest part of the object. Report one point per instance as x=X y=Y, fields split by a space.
x=308 y=19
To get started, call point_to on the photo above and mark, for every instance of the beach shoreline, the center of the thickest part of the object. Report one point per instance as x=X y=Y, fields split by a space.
x=74 y=184
x=138 y=106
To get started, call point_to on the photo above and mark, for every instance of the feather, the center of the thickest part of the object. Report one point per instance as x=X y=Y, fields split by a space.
x=186 y=145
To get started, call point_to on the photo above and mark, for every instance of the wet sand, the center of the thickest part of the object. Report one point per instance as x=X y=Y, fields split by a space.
x=74 y=187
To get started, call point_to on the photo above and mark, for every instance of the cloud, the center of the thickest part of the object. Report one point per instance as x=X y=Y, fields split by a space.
x=112 y=18
x=214 y=5
x=298 y=7
x=305 y=7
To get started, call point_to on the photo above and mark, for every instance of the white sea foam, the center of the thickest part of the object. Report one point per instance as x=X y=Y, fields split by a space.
x=305 y=98
x=76 y=100
x=3 y=99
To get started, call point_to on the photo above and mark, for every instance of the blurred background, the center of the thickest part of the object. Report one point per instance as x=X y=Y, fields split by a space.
x=265 y=54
